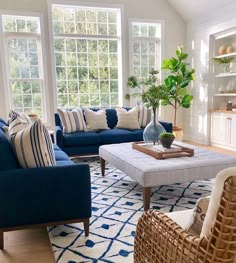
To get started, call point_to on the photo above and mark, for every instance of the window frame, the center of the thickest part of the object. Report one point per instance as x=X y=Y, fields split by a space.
x=131 y=38
x=4 y=36
x=162 y=45
x=121 y=81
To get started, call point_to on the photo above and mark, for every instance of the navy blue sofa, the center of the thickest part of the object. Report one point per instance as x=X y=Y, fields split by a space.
x=42 y=196
x=79 y=143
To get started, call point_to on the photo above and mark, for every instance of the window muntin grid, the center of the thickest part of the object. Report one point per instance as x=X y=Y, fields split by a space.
x=23 y=48
x=87 y=62
x=145 y=48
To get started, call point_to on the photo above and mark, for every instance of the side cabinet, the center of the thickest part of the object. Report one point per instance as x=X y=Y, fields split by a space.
x=223 y=130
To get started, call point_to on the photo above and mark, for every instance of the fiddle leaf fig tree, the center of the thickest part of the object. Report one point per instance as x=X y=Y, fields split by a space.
x=176 y=92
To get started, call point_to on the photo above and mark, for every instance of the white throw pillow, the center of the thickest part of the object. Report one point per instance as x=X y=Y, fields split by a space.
x=145 y=116
x=72 y=120
x=95 y=120
x=128 y=119
x=33 y=146
x=215 y=198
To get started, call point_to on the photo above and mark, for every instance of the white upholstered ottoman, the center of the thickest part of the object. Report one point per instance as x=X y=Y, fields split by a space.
x=149 y=172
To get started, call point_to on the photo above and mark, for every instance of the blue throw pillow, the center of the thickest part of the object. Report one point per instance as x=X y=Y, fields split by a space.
x=8 y=159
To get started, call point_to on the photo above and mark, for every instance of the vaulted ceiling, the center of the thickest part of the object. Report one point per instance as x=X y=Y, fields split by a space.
x=194 y=9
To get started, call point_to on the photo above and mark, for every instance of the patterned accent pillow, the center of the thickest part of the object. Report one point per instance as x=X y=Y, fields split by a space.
x=72 y=120
x=145 y=116
x=33 y=146
x=18 y=121
x=128 y=119
x=95 y=120
x=198 y=216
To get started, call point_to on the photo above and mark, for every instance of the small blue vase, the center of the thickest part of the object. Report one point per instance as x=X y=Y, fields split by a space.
x=152 y=131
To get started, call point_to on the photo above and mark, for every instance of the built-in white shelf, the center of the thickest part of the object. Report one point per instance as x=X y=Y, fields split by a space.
x=226 y=55
x=223 y=75
x=225 y=94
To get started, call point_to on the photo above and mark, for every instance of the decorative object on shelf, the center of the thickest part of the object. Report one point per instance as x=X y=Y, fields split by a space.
x=179 y=78
x=221 y=88
x=224 y=61
x=232 y=67
x=166 y=139
x=229 y=105
x=222 y=50
x=150 y=93
x=230 y=87
x=229 y=49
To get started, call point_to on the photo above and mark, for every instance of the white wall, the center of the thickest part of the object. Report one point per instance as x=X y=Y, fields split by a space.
x=196 y=119
x=150 y=9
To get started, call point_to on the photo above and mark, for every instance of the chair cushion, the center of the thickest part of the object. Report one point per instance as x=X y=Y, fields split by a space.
x=216 y=193
x=8 y=158
x=120 y=136
x=33 y=146
x=128 y=119
x=95 y=120
x=72 y=120
x=182 y=218
x=81 y=138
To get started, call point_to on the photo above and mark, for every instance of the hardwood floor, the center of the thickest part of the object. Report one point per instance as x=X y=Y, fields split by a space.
x=27 y=246
x=33 y=245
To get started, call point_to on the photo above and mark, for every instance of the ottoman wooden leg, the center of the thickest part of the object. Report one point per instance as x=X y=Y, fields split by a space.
x=146 y=197
x=103 y=162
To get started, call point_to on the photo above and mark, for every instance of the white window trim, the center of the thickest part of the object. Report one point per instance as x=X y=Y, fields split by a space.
x=139 y=20
x=42 y=51
x=121 y=80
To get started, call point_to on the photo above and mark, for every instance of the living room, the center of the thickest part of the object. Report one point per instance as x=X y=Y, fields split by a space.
x=67 y=70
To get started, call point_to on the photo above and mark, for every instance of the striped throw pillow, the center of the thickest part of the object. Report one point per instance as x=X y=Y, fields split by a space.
x=33 y=146
x=72 y=120
x=18 y=121
x=145 y=116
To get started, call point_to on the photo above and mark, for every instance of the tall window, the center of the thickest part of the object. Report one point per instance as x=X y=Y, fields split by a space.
x=23 y=53
x=87 y=55
x=145 y=48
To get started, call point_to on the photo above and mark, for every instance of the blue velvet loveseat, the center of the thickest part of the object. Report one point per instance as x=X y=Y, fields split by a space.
x=79 y=143
x=42 y=196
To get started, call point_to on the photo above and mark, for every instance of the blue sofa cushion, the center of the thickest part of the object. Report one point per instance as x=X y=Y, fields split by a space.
x=8 y=159
x=120 y=135
x=111 y=118
x=61 y=158
x=81 y=138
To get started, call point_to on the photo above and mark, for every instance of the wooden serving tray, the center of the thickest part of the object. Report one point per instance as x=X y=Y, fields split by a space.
x=184 y=151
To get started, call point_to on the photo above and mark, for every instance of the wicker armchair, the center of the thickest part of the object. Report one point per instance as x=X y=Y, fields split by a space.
x=159 y=239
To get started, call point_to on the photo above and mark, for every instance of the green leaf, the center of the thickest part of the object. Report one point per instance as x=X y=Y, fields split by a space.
x=186 y=101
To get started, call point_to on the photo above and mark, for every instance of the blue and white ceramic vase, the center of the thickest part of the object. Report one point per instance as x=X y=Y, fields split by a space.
x=152 y=130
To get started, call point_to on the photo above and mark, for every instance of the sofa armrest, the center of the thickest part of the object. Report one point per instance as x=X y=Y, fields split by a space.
x=167 y=125
x=41 y=195
x=59 y=136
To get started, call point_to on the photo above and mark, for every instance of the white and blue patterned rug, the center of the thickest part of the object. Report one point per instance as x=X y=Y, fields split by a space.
x=116 y=206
